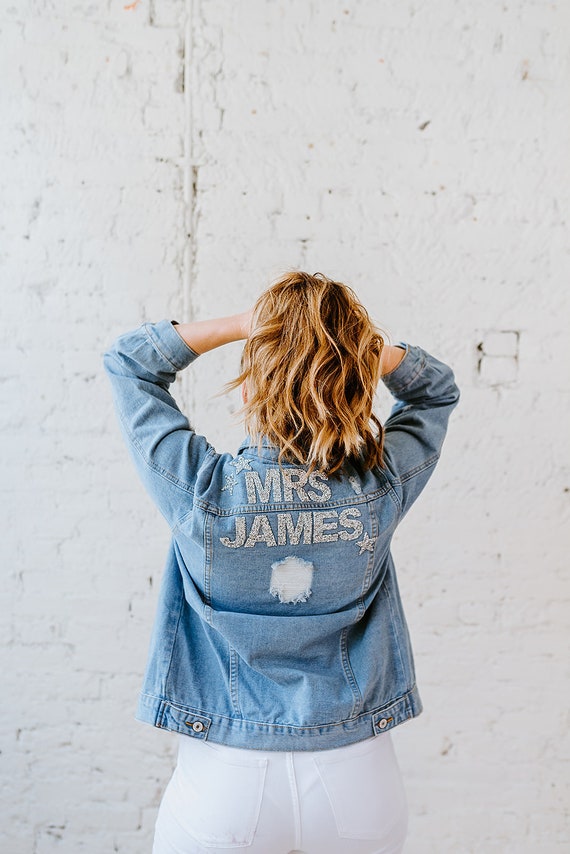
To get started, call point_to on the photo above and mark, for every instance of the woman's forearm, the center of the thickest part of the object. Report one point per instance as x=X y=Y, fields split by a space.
x=204 y=335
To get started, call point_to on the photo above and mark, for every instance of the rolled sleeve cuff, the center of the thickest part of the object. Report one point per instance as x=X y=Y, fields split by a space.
x=170 y=344
x=398 y=379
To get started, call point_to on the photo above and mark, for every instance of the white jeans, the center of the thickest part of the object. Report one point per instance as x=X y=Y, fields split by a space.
x=349 y=800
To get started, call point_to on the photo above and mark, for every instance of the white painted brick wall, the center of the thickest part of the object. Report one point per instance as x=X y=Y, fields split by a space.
x=418 y=151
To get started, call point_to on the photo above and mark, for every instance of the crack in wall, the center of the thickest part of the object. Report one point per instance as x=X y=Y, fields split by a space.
x=190 y=180
x=498 y=356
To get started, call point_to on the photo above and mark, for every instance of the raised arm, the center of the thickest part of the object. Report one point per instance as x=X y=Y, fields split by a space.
x=141 y=366
x=426 y=394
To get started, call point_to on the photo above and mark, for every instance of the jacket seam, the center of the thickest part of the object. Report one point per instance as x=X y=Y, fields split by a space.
x=186 y=487
x=174 y=636
x=233 y=667
x=419 y=468
x=390 y=489
x=196 y=502
x=349 y=674
x=207 y=544
x=202 y=712
x=370 y=565
x=284 y=506
x=408 y=476
x=392 y=617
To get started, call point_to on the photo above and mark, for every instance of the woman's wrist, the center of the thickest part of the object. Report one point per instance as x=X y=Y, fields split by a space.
x=391 y=358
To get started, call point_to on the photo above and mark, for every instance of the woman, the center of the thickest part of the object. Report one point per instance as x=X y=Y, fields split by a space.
x=280 y=650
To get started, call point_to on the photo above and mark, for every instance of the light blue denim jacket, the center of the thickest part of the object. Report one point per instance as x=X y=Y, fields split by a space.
x=279 y=623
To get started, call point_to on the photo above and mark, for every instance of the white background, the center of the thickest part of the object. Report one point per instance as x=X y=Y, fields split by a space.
x=170 y=160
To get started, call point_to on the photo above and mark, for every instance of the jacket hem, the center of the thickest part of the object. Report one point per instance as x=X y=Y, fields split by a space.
x=260 y=735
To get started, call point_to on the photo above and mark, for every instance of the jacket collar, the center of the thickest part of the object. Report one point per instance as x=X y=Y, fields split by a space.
x=268 y=449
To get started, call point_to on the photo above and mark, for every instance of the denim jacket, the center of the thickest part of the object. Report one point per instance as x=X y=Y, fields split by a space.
x=279 y=623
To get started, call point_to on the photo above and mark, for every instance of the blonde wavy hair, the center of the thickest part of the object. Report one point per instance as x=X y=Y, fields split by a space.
x=311 y=365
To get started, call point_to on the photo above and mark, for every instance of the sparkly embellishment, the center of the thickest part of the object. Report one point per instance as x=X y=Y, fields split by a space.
x=324 y=489
x=241 y=464
x=320 y=526
x=260 y=532
x=255 y=487
x=294 y=480
x=240 y=535
x=285 y=528
x=366 y=544
x=231 y=481
x=353 y=525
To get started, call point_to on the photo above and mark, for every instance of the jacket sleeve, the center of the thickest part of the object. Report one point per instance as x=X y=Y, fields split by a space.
x=167 y=453
x=426 y=395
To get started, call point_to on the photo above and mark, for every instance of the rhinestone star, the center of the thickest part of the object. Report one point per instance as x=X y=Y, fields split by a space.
x=366 y=544
x=231 y=481
x=241 y=464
